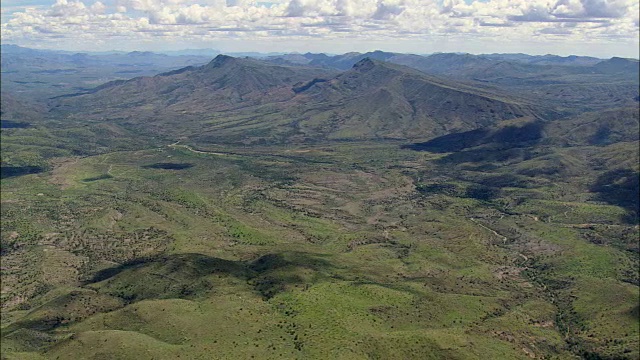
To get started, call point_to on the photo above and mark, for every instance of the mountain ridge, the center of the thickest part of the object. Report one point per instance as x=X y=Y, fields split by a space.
x=372 y=99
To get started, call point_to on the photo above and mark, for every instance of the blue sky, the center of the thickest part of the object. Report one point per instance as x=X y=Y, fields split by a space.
x=601 y=28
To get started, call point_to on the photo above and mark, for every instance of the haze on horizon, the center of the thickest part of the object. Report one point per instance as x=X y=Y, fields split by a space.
x=601 y=28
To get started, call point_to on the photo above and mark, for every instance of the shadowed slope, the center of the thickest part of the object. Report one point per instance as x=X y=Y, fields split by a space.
x=222 y=84
x=381 y=100
x=276 y=103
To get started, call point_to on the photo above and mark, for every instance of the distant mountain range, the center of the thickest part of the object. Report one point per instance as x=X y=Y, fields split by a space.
x=373 y=99
x=453 y=63
x=568 y=85
x=310 y=97
x=40 y=74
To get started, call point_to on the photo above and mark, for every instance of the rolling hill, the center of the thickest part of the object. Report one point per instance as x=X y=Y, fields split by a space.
x=270 y=210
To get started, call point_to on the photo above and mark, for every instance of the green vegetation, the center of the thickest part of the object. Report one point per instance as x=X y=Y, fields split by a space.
x=336 y=250
x=309 y=230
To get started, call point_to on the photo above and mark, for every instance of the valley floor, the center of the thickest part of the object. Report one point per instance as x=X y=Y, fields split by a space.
x=348 y=250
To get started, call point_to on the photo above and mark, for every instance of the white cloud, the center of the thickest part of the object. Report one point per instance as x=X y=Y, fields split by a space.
x=371 y=20
x=98 y=8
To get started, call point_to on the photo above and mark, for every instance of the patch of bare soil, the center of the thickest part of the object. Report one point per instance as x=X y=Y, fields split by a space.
x=61 y=168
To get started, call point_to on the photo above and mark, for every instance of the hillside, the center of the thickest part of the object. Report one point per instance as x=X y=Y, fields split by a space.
x=151 y=104
x=285 y=103
x=569 y=85
x=589 y=129
x=252 y=209
x=381 y=100
x=224 y=83
x=616 y=65
x=600 y=148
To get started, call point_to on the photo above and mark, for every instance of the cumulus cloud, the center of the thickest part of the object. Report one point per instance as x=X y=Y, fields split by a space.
x=64 y=8
x=290 y=19
x=578 y=10
x=605 y=9
x=387 y=9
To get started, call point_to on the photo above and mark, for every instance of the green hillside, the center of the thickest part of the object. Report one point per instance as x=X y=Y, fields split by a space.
x=248 y=211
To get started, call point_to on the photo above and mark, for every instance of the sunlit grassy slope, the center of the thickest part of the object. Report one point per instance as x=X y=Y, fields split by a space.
x=339 y=251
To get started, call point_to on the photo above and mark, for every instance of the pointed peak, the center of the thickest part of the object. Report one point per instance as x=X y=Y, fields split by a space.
x=221 y=60
x=364 y=64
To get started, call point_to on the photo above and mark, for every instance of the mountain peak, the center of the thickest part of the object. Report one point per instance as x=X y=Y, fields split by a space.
x=621 y=60
x=364 y=64
x=141 y=53
x=618 y=65
x=221 y=60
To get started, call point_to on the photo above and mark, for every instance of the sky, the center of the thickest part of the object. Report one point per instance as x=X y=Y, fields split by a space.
x=602 y=28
